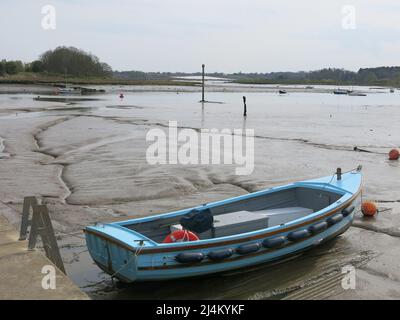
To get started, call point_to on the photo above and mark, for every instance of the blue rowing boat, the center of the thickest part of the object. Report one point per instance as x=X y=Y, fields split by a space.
x=240 y=232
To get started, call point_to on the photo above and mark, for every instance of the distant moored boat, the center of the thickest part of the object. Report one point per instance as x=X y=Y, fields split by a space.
x=69 y=90
x=341 y=91
x=357 y=94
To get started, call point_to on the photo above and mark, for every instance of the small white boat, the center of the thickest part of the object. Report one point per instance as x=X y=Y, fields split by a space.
x=69 y=90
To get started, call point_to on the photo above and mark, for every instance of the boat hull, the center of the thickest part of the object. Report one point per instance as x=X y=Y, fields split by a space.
x=264 y=259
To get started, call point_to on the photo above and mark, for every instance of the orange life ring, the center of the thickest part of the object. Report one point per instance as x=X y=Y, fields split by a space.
x=181 y=236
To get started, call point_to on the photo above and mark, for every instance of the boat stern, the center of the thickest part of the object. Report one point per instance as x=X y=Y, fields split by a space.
x=116 y=249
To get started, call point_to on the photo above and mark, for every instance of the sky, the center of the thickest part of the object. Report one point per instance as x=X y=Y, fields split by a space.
x=226 y=35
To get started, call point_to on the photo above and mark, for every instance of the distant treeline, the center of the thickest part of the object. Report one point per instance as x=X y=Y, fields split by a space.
x=367 y=76
x=140 y=75
x=62 y=60
x=11 y=67
x=80 y=64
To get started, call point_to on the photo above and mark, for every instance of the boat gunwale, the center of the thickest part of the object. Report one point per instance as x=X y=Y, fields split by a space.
x=316 y=185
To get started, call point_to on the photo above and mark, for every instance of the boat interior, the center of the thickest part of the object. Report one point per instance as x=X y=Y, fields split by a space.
x=247 y=215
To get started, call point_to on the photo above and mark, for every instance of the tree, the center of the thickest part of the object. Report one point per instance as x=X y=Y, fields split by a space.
x=20 y=66
x=11 y=67
x=37 y=66
x=2 y=68
x=396 y=81
x=75 y=62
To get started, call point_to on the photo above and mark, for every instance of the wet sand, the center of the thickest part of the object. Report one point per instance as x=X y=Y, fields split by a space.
x=86 y=160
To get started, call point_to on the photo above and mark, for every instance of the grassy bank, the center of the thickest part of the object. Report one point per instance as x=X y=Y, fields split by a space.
x=46 y=79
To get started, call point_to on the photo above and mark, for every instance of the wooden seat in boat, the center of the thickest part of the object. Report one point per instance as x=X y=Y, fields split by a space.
x=284 y=215
x=246 y=221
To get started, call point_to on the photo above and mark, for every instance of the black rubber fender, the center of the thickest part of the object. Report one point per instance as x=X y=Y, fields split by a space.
x=274 y=242
x=248 y=248
x=348 y=211
x=318 y=227
x=298 y=235
x=220 y=254
x=335 y=219
x=189 y=257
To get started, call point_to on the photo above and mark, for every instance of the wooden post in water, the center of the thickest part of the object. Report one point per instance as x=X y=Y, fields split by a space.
x=203 y=84
x=245 y=107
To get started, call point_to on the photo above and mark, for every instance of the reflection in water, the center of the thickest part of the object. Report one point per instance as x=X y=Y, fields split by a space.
x=64 y=99
x=59 y=111
x=202 y=115
x=244 y=126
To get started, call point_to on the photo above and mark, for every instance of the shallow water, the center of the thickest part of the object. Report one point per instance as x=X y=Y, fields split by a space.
x=93 y=155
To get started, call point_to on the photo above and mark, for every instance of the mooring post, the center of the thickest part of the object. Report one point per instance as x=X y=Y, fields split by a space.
x=203 y=84
x=244 y=107
x=339 y=173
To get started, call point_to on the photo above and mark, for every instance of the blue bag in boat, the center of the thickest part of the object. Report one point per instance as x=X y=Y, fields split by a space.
x=198 y=221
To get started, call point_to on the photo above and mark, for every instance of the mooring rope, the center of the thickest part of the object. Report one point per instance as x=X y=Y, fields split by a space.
x=333 y=176
x=112 y=276
x=72 y=234
x=7 y=205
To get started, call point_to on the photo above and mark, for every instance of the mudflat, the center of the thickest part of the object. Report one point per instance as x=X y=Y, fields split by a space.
x=86 y=159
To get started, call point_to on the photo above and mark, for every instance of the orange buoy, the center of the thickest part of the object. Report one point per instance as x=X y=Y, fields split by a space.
x=369 y=209
x=394 y=154
x=181 y=236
